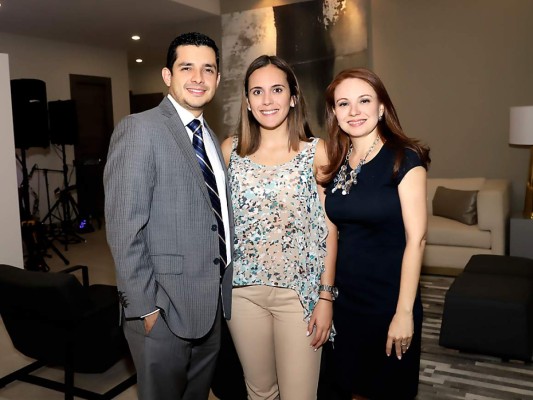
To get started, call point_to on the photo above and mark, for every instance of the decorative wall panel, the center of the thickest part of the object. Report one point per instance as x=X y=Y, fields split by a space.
x=318 y=39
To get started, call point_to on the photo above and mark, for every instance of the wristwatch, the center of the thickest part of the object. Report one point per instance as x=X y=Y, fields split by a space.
x=331 y=289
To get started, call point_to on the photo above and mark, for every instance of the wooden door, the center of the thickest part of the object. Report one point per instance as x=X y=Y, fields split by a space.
x=94 y=107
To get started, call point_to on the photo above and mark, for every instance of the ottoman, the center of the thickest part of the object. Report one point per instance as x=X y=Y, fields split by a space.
x=489 y=308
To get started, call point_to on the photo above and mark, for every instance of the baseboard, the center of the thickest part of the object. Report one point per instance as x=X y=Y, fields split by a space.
x=446 y=271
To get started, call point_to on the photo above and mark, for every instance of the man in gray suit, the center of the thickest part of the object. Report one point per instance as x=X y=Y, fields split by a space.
x=169 y=226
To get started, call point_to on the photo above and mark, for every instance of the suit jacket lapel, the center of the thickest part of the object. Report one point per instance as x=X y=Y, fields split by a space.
x=178 y=131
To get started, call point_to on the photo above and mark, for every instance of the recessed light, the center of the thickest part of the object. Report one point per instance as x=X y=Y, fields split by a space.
x=136 y=37
x=139 y=60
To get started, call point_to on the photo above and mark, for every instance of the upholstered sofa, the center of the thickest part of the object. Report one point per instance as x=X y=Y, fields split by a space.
x=451 y=243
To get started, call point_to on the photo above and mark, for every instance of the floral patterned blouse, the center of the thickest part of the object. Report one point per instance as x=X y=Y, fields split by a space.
x=280 y=225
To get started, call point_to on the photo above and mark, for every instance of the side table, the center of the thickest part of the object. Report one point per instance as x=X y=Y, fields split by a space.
x=521 y=240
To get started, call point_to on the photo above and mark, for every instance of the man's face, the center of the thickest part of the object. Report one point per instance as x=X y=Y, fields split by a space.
x=194 y=77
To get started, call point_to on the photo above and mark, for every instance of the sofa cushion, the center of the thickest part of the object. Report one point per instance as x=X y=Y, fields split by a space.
x=459 y=205
x=448 y=232
x=451 y=183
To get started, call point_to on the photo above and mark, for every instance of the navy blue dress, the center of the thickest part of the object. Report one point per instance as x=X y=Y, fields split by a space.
x=370 y=251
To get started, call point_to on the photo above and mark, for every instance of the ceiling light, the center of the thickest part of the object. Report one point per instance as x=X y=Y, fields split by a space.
x=139 y=60
x=135 y=37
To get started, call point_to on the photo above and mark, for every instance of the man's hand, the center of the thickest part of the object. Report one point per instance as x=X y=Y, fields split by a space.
x=149 y=321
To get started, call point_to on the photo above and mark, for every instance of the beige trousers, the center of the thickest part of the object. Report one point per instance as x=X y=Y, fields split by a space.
x=269 y=333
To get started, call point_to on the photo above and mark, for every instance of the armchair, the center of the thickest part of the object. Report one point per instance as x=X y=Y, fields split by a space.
x=450 y=243
x=56 y=320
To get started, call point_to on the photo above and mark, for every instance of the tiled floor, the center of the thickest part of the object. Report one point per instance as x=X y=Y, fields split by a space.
x=95 y=254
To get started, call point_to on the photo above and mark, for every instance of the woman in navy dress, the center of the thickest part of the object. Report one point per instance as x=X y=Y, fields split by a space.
x=376 y=197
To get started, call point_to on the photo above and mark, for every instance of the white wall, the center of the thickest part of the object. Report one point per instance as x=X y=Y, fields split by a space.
x=454 y=68
x=10 y=239
x=53 y=62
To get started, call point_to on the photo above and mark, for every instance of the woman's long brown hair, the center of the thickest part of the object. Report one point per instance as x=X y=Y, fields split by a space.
x=248 y=133
x=389 y=128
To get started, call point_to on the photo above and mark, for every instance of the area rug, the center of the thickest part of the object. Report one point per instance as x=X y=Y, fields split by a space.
x=450 y=374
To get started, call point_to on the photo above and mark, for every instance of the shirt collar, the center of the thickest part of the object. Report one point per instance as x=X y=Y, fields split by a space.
x=185 y=115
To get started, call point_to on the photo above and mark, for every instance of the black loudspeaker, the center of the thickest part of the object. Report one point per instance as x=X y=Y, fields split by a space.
x=30 y=116
x=63 y=122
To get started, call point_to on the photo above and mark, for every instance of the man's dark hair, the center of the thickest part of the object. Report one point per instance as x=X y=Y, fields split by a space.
x=190 y=39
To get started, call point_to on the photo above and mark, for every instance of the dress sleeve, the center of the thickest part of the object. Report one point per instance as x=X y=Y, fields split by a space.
x=410 y=160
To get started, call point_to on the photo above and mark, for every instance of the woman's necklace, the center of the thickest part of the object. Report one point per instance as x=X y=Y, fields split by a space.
x=340 y=181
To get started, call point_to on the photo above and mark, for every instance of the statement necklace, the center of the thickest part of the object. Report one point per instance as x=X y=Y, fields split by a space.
x=340 y=181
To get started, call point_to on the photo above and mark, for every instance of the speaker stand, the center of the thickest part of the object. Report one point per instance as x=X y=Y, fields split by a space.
x=25 y=213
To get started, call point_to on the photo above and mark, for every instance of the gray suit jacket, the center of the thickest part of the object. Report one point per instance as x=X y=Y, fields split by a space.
x=160 y=224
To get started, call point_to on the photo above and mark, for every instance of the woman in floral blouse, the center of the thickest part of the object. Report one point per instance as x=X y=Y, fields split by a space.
x=283 y=275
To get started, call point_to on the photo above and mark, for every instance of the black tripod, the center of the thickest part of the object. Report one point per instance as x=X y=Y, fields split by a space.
x=67 y=210
x=32 y=230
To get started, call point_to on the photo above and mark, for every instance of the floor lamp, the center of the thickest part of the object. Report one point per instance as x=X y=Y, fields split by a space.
x=521 y=133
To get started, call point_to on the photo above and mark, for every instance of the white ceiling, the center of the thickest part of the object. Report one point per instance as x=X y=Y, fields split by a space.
x=103 y=23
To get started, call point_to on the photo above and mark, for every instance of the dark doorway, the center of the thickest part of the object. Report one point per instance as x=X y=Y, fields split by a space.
x=142 y=102
x=93 y=98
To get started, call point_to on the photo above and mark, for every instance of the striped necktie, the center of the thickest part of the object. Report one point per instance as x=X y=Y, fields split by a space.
x=209 y=177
